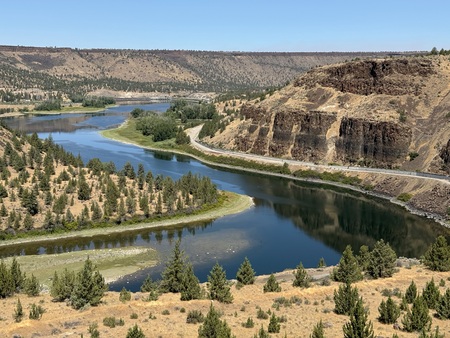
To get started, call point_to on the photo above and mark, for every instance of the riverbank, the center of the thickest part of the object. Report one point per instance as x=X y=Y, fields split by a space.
x=64 y=110
x=233 y=203
x=382 y=185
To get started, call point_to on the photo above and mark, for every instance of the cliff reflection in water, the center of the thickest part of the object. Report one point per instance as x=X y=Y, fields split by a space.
x=340 y=217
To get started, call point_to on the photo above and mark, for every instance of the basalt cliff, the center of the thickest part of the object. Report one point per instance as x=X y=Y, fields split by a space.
x=386 y=113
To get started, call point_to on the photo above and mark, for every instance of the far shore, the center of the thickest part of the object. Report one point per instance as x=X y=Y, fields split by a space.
x=234 y=204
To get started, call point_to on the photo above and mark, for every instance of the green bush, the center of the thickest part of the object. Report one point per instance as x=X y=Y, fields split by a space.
x=249 y=323
x=124 y=295
x=272 y=285
x=389 y=311
x=194 y=317
x=404 y=197
x=36 y=311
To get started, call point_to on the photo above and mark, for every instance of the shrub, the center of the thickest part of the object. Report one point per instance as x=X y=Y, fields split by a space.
x=345 y=299
x=124 y=295
x=246 y=274
x=32 y=287
x=165 y=312
x=389 y=311
x=274 y=324
x=317 y=330
x=36 y=311
x=348 y=270
x=194 y=317
x=260 y=314
x=404 y=197
x=18 y=312
x=213 y=326
x=135 y=332
x=417 y=318
x=301 y=277
x=134 y=315
x=272 y=285
x=113 y=322
x=321 y=263
x=249 y=323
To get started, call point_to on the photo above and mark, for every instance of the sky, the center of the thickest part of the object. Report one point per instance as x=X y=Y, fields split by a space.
x=228 y=25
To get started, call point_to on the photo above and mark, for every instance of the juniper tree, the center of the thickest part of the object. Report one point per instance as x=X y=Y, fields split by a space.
x=437 y=257
x=218 y=286
x=7 y=285
x=190 y=284
x=36 y=312
x=89 y=286
x=417 y=318
x=381 y=260
x=16 y=275
x=62 y=285
x=411 y=293
x=443 y=307
x=345 y=299
x=172 y=276
x=274 y=324
x=18 y=312
x=431 y=294
x=435 y=334
x=358 y=326
x=363 y=257
x=124 y=295
x=322 y=263
x=135 y=332
x=348 y=270
x=317 y=331
x=32 y=287
x=213 y=327
x=389 y=311
x=245 y=274
x=301 y=277
x=272 y=285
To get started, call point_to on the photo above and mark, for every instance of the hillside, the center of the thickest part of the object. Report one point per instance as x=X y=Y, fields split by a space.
x=41 y=72
x=386 y=113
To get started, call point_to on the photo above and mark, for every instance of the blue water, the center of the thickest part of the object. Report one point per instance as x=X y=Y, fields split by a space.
x=290 y=222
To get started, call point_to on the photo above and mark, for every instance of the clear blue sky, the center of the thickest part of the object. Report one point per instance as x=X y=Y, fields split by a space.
x=229 y=25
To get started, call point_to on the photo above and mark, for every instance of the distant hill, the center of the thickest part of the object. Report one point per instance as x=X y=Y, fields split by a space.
x=69 y=71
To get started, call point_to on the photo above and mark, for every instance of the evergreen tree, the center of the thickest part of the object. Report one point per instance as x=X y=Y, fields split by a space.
x=190 y=284
x=7 y=285
x=89 y=287
x=274 y=324
x=318 y=331
x=345 y=299
x=358 y=326
x=435 y=334
x=431 y=294
x=381 y=260
x=348 y=270
x=443 y=308
x=36 y=312
x=245 y=274
x=172 y=276
x=18 y=312
x=84 y=191
x=213 y=327
x=32 y=287
x=322 y=263
x=363 y=257
x=411 y=293
x=262 y=333
x=135 y=332
x=148 y=284
x=124 y=295
x=389 y=311
x=16 y=275
x=272 y=285
x=218 y=286
x=417 y=318
x=301 y=277
x=63 y=285
x=437 y=257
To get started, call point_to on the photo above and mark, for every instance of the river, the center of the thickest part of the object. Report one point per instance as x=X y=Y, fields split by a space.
x=290 y=222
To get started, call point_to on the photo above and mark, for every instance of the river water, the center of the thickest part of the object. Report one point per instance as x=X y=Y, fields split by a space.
x=290 y=222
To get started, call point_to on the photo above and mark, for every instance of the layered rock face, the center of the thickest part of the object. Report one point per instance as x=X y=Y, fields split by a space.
x=371 y=113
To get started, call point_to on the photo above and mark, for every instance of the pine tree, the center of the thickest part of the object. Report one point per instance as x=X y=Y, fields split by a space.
x=437 y=257
x=348 y=270
x=381 y=260
x=32 y=287
x=191 y=286
x=63 y=285
x=272 y=285
x=124 y=295
x=318 y=331
x=218 y=286
x=417 y=318
x=172 y=276
x=262 y=333
x=245 y=274
x=7 y=285
x=358 y=326
x=36 y=312
x=148 y=284
x=363 y=257
x=301 y=277
x=18 y=312
x=389 y=311
x=431 y=294
x=425 y=334
x=345 y=299
x=411 y=293
x=213 y=327
x=16 y=275
x=443 y=308
x=274 y=324
x=135 y=332
x=322 y=263
x=89 y=287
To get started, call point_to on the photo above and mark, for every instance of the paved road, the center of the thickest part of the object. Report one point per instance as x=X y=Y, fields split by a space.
x=193 y=134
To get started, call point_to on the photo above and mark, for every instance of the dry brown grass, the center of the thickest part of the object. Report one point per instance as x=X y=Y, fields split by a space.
x=316 y=303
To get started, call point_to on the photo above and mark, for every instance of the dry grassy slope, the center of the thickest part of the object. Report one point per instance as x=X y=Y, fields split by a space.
x=255 y=69
x=316 y=304
x=350 y=91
